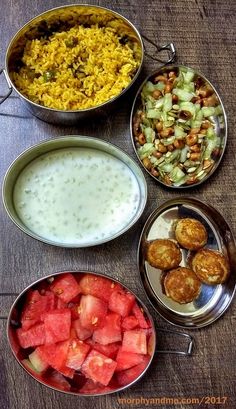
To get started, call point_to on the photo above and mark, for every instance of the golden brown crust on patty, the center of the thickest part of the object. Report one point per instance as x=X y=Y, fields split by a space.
x=182 y=285
x=163 y=254
x=210 y=266
x=190 y=234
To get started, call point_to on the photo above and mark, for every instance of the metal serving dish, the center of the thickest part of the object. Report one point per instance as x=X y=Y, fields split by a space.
x=67 y=16
x=156 y=169
x=213 y=301
x=13 y=322
x=89 y=187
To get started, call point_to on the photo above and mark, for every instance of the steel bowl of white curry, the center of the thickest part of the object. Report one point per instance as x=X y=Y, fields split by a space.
x=74 y=191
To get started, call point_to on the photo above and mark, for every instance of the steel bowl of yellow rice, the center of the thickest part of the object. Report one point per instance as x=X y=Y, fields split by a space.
x=72 y=61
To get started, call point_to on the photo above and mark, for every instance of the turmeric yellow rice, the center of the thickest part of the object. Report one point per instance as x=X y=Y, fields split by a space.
x=77 y=69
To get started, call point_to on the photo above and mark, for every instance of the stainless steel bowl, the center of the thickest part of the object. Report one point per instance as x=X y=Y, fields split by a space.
x=67 y=16
x=219 y=121
x=96 y=148
x=13 y=323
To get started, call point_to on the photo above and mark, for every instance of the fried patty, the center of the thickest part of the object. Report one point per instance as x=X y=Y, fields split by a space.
x=182 y=285
x=190 y=234
x=164 y=254
x=210 y=266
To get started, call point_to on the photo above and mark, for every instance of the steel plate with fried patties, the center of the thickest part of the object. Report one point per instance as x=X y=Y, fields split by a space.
x=213 y=300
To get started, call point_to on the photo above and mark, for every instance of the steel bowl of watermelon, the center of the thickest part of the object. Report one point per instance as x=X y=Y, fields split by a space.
x=82 y=333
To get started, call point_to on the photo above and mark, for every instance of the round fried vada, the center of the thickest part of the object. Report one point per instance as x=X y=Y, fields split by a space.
x=190 y=233
x=182 y=285
x=210 y=266
x=164 y=254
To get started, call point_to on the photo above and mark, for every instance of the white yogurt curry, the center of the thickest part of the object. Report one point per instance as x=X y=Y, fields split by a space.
x=76 y=196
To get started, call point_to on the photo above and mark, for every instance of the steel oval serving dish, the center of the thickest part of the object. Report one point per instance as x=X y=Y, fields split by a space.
x=74 y=191
x=178 y=127
x=64 y=18
x=213 y=300
x=77 y=374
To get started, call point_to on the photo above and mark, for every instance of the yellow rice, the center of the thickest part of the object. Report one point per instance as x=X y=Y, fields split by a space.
x=77 y=69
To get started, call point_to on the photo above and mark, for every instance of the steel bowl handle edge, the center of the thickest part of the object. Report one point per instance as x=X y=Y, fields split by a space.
x=9 y=86
x=170 y=48
x=189 y=347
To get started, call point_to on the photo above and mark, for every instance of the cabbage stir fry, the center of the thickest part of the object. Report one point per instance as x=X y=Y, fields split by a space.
x=174 y=129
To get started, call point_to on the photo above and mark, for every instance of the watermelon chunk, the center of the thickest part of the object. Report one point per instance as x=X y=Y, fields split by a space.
x=98 y=286
x=143 y=323
x=109 y=350
x=59 y=304
x=129 y=322
x=65 y=287
x=36 y=304
x=81 y=332
x=75 y=310
x=55 y=354
x=135 y=341
x=130 y=375
x=36 y=360
x=110 y=332
x=28 y=365
x=121 y=302
x=126 y=360
x=68 y=372
x=31 y=337
x=57 y=325
x=98 y=367
x=92 y=312
x=77 y=353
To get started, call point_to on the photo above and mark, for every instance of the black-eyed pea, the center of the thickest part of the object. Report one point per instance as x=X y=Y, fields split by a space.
x=147 y=163
x=195 y=156
x=178 y=143
x=175 y=99
x=168 y=88
x=195 y=148
x=207 y=163
x=154 y=172
x=160 y=78
x=142 y=116
x=196 y=100
x=210 y=101
x=195 y=131
x=167 y=180
x=167 y=132
x=216 y=152
x=159 y=126
x=157 y=154
x=191 y=180
x=162 y=148
x=141 y=139
x=191 y=139
x=206 y=124
x=156 y=94
x=172 y=74
x=185 y=115
x=170 y=147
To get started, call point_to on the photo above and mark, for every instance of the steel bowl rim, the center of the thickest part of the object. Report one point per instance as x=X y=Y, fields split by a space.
x=89 y=139
x=87 y=110
x=225 y=121
x=105 y=275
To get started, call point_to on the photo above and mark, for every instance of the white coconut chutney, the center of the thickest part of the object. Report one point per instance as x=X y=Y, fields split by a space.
x=76 y=196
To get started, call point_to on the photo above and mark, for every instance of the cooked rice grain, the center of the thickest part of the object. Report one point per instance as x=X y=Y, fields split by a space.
x=77 y=69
